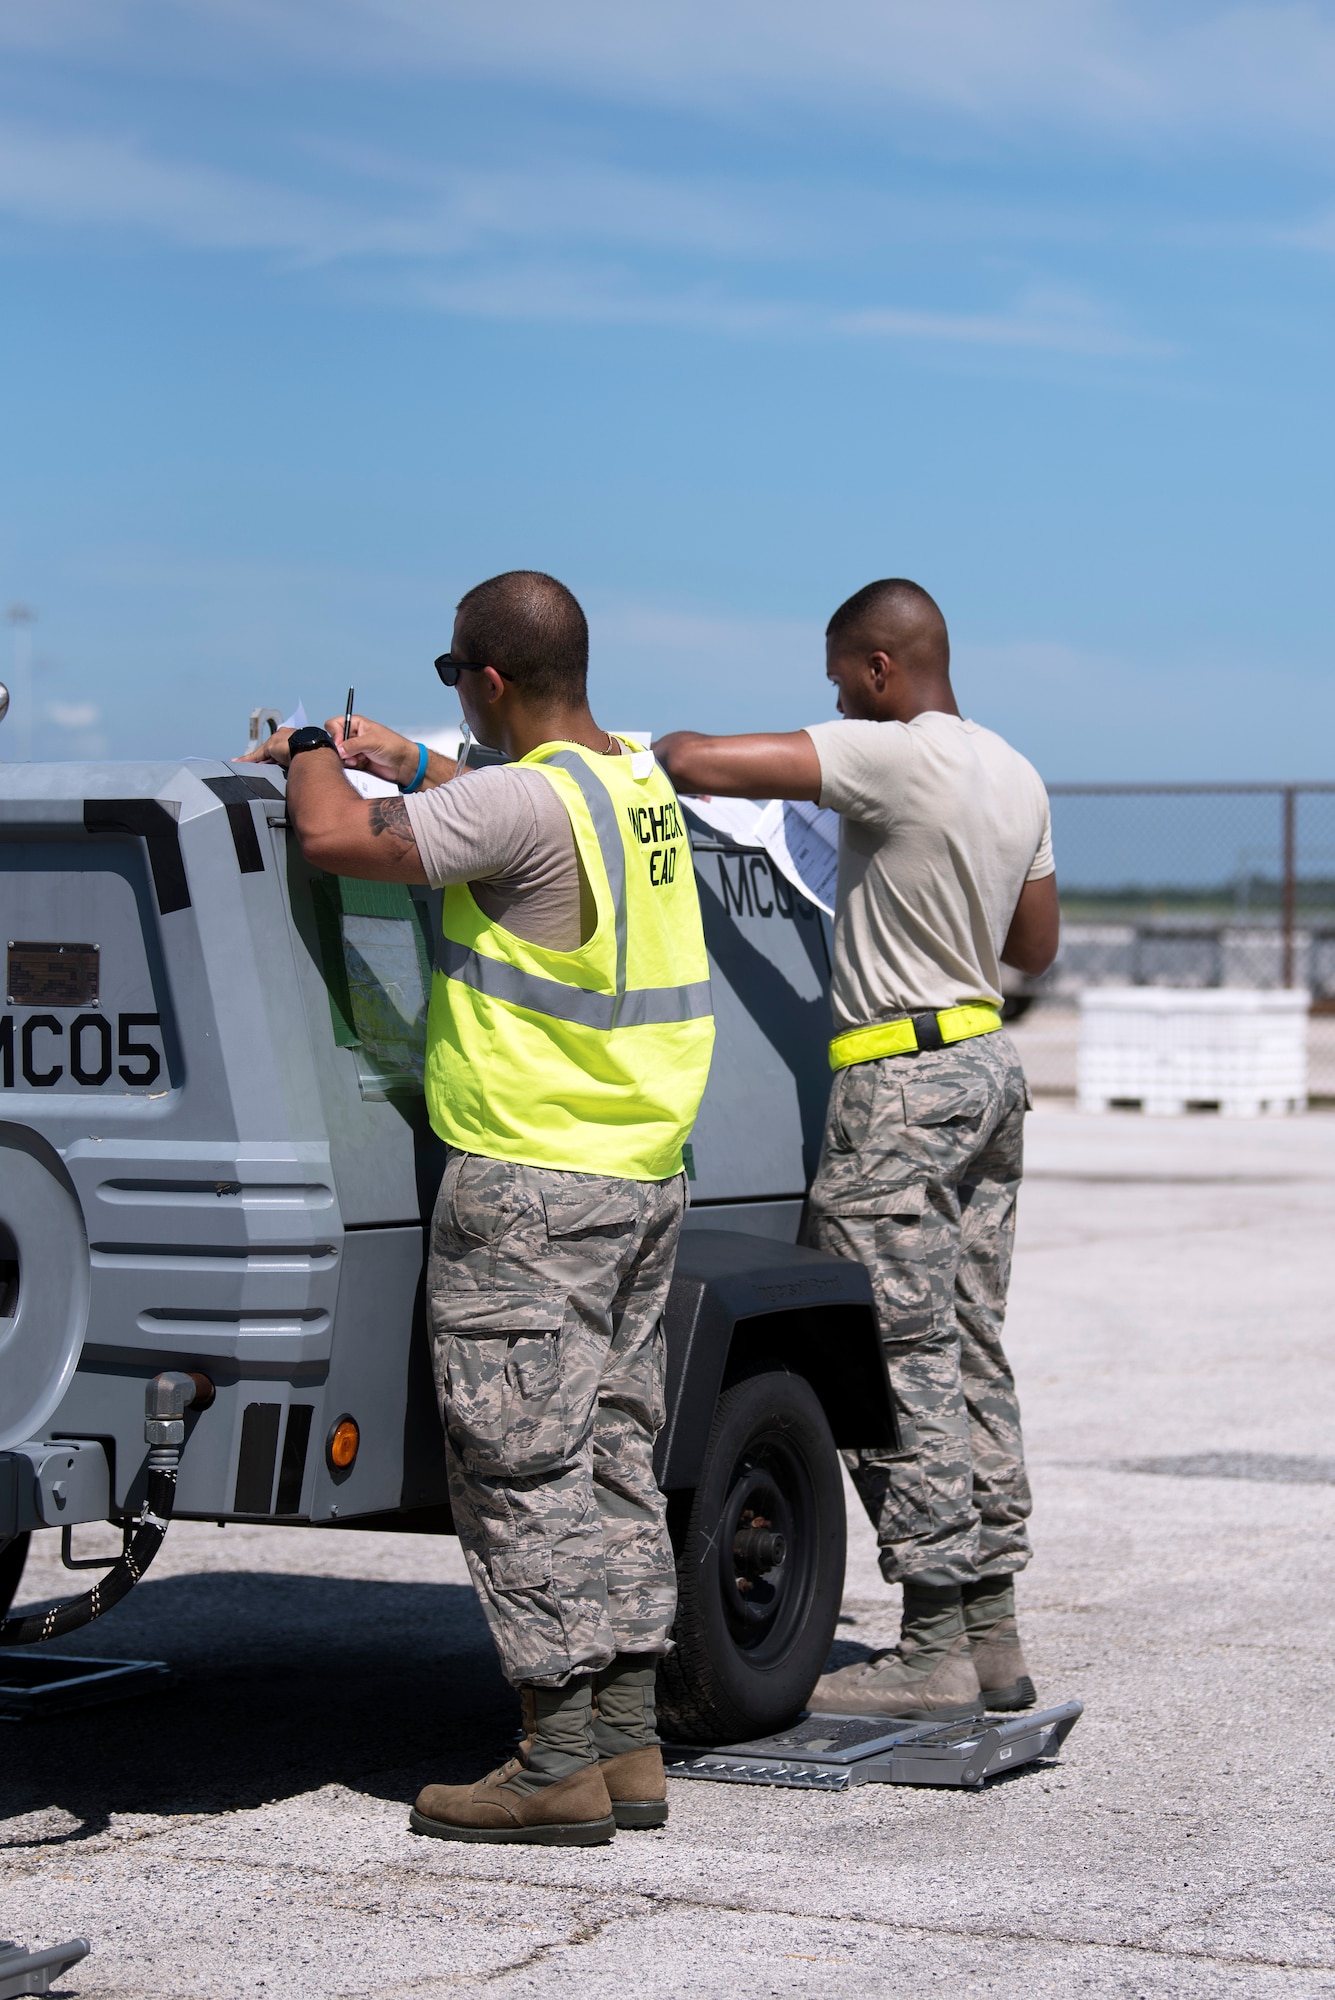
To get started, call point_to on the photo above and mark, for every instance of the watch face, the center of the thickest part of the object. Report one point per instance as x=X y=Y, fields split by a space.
x=312 y=737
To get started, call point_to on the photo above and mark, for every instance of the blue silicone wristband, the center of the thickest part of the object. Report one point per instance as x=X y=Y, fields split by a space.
x=421 y=769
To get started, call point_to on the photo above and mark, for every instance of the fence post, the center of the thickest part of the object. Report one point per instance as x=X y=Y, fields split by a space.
x=1288 y=892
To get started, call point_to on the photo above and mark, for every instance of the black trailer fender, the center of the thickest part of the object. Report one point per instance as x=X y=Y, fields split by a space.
x=738 y=1300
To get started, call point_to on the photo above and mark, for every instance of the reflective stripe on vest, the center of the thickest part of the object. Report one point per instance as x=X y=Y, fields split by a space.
x=647 y=1004
x=603 y=814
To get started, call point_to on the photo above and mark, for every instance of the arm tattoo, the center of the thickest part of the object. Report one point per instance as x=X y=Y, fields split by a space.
x=391 y=816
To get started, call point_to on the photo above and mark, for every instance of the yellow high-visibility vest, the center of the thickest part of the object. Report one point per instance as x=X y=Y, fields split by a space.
x=594 y=1060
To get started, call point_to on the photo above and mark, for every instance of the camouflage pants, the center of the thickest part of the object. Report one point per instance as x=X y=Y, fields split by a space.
x=918 y=1176
x=546 y=1293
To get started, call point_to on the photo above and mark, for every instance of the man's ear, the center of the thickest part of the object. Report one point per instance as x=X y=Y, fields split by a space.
x=878 y=665
x=493 y=683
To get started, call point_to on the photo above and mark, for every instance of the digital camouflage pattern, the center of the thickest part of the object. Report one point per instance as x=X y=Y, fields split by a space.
x=918 y=1177
x=546 y=1293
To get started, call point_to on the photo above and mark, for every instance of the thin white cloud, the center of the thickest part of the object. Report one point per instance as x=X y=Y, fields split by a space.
x=401 y=209
x=78 y=180
x=37 y=26
x=562 y=200
x=590 y=296
x=1168 y=72
x=1316 y=233
x=1060 y=320
x=498 y=245
x=1034 y=320
x=372 y=203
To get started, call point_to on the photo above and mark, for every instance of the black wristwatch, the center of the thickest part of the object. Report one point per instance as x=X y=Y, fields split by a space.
x=312 y=737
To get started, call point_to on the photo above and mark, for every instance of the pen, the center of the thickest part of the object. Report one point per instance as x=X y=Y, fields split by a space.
x=347 y=720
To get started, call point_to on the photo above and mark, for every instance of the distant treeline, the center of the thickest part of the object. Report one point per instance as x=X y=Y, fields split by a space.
x=1255 y=896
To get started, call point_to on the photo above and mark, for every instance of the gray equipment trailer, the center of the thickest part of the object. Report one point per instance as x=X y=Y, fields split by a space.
x=215 y=1172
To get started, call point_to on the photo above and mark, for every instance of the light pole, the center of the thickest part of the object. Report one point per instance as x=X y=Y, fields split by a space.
x=21 y=617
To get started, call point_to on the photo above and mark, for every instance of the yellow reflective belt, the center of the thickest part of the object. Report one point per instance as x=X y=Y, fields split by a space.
x=900 y=1038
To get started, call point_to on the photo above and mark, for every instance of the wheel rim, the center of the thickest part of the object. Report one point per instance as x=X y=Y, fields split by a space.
x=770 y=1495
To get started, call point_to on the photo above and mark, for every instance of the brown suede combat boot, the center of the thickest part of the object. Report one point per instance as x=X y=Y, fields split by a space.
x=570 y=1812
x=552 y=1794
x=637 y=1787
x=994 y=1641
x=625 y=1735
x=928 y=1676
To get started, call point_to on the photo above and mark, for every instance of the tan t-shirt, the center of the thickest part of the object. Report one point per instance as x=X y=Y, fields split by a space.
x=942 y=826
x=504 y=831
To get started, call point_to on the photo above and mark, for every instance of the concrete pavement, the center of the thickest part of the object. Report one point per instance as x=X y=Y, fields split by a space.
x=1171 y=1329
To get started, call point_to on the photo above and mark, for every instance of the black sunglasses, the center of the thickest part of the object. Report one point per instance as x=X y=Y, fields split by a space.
x=450 y=669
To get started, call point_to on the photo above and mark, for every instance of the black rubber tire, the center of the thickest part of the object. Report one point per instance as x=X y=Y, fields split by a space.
x=746 y=1662
x=13 y=1555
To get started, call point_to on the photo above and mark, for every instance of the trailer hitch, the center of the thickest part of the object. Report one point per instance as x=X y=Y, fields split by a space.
x=166 y=1399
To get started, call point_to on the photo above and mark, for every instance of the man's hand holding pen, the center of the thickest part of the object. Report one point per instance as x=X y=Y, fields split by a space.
x=370 y=746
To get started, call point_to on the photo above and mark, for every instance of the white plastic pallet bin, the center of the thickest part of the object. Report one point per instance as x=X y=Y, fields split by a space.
x=1171 y=1049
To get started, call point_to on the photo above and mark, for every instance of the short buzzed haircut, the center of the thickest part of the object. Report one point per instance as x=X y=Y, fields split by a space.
x=897 y=617
x=530 y=627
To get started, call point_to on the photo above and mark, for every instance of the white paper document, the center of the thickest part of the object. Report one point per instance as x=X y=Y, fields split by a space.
x=735 y=819
x=369 y=785
x=802 y=840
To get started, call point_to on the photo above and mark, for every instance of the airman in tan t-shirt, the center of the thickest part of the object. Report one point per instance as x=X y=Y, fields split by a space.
x=945 y=871
x=943 y=824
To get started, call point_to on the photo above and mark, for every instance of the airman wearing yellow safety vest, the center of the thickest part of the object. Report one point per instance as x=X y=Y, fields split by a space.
x=568 y=1043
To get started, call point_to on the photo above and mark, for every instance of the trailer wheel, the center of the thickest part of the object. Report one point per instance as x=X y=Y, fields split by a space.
x=760 y=1566
x=13 y=1555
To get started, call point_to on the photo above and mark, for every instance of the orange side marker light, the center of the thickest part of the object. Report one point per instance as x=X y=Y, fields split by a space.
x=341 y=1449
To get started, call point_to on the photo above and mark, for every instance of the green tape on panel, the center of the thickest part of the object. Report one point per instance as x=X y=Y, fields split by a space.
x=378 y=976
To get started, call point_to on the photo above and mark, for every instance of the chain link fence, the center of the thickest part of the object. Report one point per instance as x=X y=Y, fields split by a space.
x=1188 y=885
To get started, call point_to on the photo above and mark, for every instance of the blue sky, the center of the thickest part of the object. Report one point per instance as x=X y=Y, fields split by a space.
x=317 y=311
